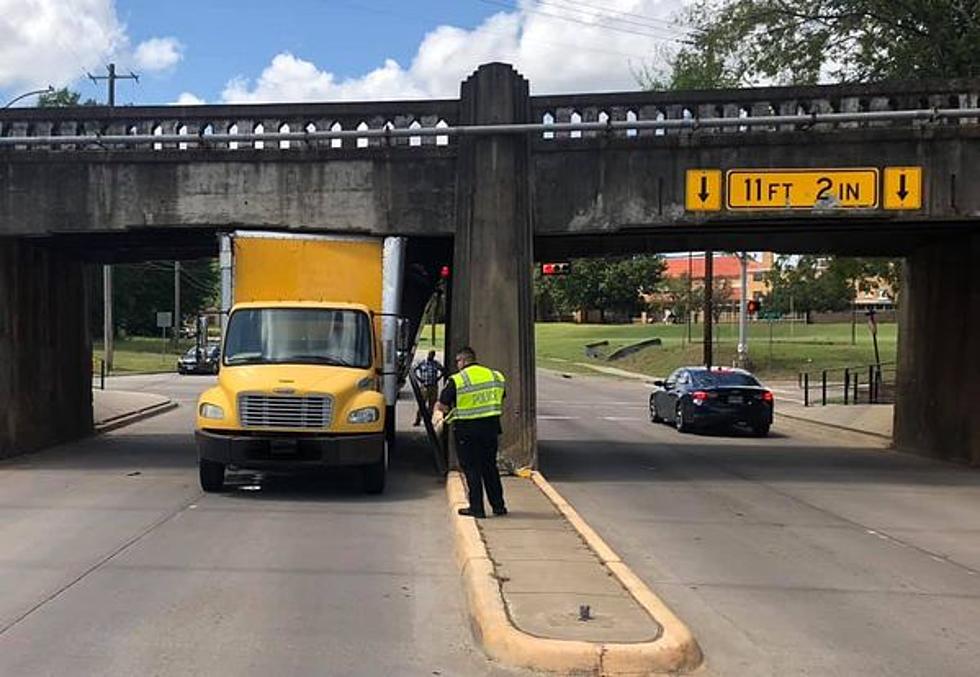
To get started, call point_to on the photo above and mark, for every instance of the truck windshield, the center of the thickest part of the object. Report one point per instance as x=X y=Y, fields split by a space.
x=299 y=336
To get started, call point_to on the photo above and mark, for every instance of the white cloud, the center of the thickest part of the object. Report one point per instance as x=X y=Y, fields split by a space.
x=55 y=41
x=559 y=48
x=189 y=99
x=158 y=54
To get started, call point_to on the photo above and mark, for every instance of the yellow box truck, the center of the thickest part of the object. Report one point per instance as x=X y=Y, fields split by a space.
x=308 y=372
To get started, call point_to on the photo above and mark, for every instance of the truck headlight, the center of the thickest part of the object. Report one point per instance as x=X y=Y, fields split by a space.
x=211 y=411
x=364 y=415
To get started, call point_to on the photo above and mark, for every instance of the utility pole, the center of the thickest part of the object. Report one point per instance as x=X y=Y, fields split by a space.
x=709 y=259
x=743 y=307
x=111 y=79
x=107 y=347
x=107 y=333
x=176 y=303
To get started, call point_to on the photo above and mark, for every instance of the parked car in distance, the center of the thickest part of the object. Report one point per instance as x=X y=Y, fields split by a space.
x=694 y=397
x=200 y=360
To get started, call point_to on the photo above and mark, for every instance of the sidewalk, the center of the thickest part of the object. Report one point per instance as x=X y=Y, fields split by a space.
x=870 y=419
x=115 y=408
x=546 y=593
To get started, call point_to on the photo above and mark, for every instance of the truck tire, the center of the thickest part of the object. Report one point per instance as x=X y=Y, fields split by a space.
x=212 y=475
x=376 y=474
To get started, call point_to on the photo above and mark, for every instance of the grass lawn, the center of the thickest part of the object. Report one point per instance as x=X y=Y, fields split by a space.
x=141 y=354
x=794 y=348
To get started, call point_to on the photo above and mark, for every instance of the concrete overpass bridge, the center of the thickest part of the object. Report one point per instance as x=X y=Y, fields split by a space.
x=491 y=182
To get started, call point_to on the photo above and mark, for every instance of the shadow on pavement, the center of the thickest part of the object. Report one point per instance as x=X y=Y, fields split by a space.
x=653 y=462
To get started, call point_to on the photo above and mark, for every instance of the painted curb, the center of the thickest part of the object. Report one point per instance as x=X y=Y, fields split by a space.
x=132 y=417
x=674 y=651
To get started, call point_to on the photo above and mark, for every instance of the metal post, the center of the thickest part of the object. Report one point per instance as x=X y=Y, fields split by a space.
x=742 y=350
x=855 y=398
x=806 y=389
x=107 y=336
x=690 y=293
x=871 y=378
x=101 y=374
x=709 y=257
x=847 y=384
x=176 y=336
x=823 y=388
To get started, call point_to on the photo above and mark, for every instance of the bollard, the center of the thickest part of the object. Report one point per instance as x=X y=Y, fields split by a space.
x=806 y=389
x=823 y=388
x=871 y=380
x=847 y=384
x=101 y=374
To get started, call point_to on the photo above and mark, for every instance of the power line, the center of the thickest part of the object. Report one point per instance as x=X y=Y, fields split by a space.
x=417 y=17
x=633 y=18
x=560 y=17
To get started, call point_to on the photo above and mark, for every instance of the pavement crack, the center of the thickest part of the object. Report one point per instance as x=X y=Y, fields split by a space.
x=100 y=563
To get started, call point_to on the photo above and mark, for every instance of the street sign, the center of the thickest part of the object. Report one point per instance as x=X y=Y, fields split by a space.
x=164 y=320
x=903 y=188
x=850 y=188
x=703 y=192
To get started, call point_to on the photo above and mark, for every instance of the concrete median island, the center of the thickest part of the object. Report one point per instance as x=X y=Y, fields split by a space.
x=545 y=592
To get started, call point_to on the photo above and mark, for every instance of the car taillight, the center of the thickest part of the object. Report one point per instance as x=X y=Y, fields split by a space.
x=699 y=396
x=767 y=397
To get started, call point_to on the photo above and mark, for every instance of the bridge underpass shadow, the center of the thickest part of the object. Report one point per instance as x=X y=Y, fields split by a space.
x=684 y=461
x=411 y=476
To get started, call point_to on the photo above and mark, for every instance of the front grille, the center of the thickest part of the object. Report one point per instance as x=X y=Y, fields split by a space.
x=285 y=411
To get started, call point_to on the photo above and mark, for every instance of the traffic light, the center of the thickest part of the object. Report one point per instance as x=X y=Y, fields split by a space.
x=753 y=306
x=444 y=273
x=562 y=268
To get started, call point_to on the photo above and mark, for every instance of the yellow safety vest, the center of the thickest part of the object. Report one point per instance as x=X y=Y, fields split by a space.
x=479 y=393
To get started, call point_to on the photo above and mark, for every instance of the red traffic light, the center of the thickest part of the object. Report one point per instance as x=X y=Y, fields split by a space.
x=444 y=273
x=563 y=268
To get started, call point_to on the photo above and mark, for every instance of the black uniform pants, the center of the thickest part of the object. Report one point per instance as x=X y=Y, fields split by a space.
x=477 y=452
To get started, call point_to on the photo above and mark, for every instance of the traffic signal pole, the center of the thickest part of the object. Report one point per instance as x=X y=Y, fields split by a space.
x=709 y=258
x=743 y=306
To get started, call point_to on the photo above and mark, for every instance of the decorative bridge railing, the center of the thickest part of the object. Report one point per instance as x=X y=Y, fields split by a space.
x=427 y=123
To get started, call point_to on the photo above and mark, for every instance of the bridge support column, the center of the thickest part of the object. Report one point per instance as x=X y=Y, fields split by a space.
x=492 y=298
x=45 y=349
x=938 y=357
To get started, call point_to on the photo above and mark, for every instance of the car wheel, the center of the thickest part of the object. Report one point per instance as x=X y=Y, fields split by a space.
x=679 y=422
x=654 y=416
x=375 y=475
x=761 y=430
x=212 y=475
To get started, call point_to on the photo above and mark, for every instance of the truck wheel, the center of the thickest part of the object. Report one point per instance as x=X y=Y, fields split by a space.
x=212 y=475
x=375 y=474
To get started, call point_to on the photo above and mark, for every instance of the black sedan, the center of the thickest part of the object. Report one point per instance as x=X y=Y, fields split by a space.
x=694 y=397
x=200 y=361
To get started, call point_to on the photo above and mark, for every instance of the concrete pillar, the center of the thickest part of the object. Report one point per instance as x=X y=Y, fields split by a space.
x=938 y=360
x=45 y=349
x=492 y=300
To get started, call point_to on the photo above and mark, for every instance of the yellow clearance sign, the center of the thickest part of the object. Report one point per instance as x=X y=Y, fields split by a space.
x=852 y=188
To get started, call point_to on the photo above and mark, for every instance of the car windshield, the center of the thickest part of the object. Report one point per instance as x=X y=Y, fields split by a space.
x=705 y=379
x=299 y=336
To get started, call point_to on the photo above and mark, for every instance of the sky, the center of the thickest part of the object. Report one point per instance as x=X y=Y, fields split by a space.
x=223 y=51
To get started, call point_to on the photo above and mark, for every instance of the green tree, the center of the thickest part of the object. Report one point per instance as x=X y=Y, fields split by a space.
x=140 y=290
x=63 y=98
x=612 y=283
x=750 y=41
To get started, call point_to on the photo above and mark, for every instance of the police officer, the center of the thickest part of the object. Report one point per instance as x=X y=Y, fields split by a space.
x=473 y=398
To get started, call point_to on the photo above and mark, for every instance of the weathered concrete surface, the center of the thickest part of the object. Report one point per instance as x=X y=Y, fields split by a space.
x=45 y=350
x=938 y=361
x=378 y=191
x=492 y=301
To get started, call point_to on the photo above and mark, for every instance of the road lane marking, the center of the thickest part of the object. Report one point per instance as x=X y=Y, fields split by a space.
x=547 y=417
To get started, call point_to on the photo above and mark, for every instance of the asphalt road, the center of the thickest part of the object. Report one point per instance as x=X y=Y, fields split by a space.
x=112 y=562
x=790 y=555
x=787 y=555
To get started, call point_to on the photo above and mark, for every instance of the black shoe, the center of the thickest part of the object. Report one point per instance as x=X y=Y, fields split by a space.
x=466 y=512
x=500 y=513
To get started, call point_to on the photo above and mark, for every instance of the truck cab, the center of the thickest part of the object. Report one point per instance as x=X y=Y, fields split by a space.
x=302 y=379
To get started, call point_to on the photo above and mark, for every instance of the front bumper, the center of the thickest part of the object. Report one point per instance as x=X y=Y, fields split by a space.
x=289 y=451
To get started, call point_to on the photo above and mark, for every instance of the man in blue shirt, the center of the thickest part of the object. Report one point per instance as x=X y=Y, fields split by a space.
x=428 y=372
